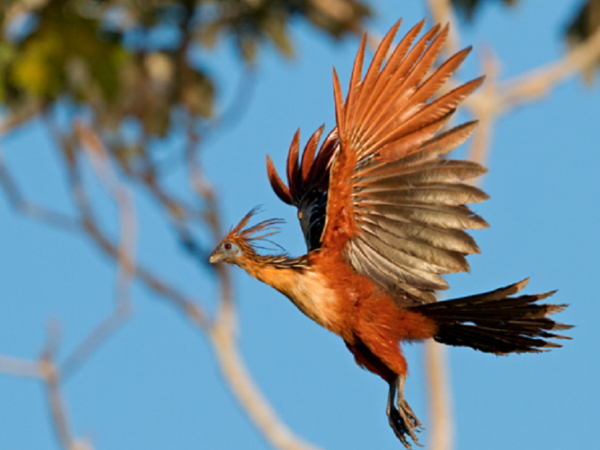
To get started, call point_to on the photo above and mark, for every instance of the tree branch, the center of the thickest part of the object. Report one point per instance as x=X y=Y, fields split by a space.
x=39 y=213
x=17 y=367
x=539 y=82
x=443 y=13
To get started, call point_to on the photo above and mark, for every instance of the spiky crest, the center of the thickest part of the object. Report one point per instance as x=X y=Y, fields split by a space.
x=246 y=238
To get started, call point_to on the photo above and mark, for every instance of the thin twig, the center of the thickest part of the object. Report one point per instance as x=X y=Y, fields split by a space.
x=443 y=12
x=439 y=394
x=125 y=253
x=29 y=209
x=487 y=116
x=93 y=231
x=18 y=367
x=539 y=82
x=56 y=402
x=533 y=85
x=9 y=122
x=57 y=407
x=124 y=200
x=93 y=341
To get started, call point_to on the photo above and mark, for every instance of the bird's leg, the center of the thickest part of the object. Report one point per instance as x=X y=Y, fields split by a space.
x=402 y=418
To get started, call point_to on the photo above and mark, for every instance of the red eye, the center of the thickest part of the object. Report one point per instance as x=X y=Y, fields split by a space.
x=227 y=246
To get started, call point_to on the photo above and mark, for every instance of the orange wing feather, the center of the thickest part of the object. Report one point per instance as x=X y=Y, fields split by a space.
x=381 y=202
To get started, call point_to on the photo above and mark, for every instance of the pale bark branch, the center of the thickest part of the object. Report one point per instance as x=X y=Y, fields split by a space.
x=441 y=421
x=443 y=12
x=249 y=396
x=23 y=206
x=123 y=197
x=18 y=367
x=541 y=81
x=91 y=229
x=221 y=331
x=51 y=379
x=13 y=120
x=487 y=116
x=94 y=340
x=56 y=404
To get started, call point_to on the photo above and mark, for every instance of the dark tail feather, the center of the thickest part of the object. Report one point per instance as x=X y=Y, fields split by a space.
x=495 y=322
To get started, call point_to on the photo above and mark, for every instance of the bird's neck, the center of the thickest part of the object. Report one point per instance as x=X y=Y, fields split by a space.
x=295 y=279
x=280 y=272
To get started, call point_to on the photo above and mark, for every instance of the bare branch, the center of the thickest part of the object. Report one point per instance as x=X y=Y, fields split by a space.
x=234 y=112
x=29 y=209
x=57 y=406
x=123 y=197
x=442 y=12
x=93 y=231
x=12 y=120
x=222 y=332
x=17 y=367
x=125 y=253
x=56 y=403
x=255 y=405
x=439 y=394
x=99 y=335
x=46 y=371
x=51 y=380
x=486 y=114
x=539 y=82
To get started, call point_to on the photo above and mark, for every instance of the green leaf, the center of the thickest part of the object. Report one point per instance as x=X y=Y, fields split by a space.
x=120 y=71
x=275 y=28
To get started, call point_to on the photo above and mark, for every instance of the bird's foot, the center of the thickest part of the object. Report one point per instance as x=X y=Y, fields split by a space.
x=402 y=419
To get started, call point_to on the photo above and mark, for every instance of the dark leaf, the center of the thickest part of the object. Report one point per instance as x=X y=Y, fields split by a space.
x=142 y=62
x=469 y=8
x=582 y=26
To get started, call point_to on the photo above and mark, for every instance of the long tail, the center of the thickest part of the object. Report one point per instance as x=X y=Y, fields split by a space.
x=495 y=322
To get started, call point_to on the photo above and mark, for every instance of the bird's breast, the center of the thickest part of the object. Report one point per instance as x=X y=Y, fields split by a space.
x=312 y=294
x=328 y=291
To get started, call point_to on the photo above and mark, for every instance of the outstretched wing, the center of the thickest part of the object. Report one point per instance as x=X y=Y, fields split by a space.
x=396 y=206
x=308 y=181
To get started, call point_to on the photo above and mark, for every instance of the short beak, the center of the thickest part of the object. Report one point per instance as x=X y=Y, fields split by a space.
x=215 y=258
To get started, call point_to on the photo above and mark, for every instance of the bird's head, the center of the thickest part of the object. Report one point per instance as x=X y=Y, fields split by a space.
x=238 y=246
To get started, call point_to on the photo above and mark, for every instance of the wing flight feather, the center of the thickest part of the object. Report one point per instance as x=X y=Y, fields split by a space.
x=396 y=207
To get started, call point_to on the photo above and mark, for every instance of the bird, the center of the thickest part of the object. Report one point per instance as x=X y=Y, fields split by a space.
x=384 y=213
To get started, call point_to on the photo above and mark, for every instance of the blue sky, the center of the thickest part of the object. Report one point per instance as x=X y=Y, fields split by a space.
x=155 y=383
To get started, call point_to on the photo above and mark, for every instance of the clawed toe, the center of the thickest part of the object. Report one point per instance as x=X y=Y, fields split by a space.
x=405 y=424
x=402 y=419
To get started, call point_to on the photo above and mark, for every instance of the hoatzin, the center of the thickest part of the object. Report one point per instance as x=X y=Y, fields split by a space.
x=383 y=215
